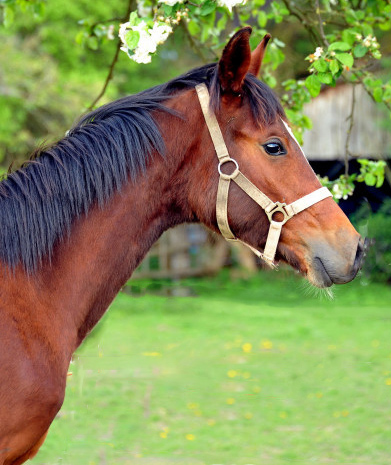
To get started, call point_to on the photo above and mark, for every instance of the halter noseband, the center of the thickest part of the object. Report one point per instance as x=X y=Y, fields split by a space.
x=250 y=189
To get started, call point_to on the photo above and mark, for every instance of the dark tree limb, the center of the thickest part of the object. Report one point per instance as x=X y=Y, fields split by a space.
x=350 y=118
x=131 y=6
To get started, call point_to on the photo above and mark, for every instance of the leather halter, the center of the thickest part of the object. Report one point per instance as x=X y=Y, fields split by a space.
x=250 y=189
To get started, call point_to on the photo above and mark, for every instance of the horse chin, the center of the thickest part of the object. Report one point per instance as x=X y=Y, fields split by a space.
x=315 y=272
x=318 y=275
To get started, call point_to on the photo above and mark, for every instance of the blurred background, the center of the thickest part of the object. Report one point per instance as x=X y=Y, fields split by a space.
x=206 y=357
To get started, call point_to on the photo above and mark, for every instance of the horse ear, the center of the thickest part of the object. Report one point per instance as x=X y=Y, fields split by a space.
x=235 y=61
x=257 y=56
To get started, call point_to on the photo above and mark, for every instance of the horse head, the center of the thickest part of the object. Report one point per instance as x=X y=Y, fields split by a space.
x=268 y=196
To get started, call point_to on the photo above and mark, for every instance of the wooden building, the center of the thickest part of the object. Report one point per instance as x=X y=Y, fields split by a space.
x=330 y=112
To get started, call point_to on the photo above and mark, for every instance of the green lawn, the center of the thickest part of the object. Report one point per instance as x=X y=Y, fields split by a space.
x=242 y=372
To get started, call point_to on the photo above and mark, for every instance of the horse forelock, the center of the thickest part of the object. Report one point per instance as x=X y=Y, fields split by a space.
x=105 y=149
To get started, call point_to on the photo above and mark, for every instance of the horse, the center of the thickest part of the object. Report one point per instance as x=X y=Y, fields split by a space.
x=77 y=219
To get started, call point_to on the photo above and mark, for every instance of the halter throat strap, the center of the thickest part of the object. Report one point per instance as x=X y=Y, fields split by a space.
x=270 y=207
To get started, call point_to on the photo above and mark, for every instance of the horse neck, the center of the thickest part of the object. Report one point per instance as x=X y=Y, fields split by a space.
x=89 y=268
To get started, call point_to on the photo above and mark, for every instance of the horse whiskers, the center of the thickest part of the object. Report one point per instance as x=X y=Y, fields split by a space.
x=318 y=292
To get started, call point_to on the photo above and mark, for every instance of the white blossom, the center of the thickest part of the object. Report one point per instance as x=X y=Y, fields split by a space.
x=371 y=42
x=159 y=33
x=170 y=2
x=143 y=10
x=230 y=3
x=318 y=53
x=110 y=32
x=149 y=39
x=122 y=31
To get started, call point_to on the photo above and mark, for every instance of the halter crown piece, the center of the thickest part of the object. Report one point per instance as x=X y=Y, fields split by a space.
x=250 y=189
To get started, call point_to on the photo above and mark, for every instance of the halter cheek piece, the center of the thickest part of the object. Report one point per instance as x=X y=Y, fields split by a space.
x=270 y=207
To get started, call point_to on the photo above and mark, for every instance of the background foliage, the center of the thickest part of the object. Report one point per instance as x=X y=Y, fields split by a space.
x=69 y=49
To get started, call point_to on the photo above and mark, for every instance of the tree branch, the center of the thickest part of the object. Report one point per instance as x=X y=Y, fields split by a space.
x=350 y=118
x=131 y=6
x=195 y=47
x=303 y=20
x=321 y=30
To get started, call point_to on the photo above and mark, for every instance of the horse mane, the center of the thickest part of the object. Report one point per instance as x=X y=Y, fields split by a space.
x=105 y=149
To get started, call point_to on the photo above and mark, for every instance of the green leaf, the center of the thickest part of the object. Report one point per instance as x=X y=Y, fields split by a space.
x=167 y=10
x=131 y=39
x=208 y=7
x=79 y=39
x=349 y=36
x=194 y=27
x=366 y=29
x=270 y=80
x=370 y=179
x=325 y=78
x=8 y=15
x=345 y=58
x=205 y=33
x=334 y=66
x=306 y=122
x=222 y=22
x=320 y=65
x=359 y=51
x=378 y=94
x=278 y=42
x=342 y=46
x=313 y=85
x=133 y=19
x=360 y=14
x=93 y=43
x=386 y=26
x=380 y=180
x=262 y=18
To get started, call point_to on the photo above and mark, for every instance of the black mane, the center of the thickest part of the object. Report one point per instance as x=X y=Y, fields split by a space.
x=98 y=155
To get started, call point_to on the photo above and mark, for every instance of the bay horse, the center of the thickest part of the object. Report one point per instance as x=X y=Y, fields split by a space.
x=78 y=219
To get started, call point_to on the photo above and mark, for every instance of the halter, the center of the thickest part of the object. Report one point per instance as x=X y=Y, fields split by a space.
x=250 y=189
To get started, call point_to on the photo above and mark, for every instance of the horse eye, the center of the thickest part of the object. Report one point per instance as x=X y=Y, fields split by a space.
x=274 y=148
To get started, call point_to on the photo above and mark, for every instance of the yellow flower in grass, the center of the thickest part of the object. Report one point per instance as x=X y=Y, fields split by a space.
x=266 y=344
x=192 y=405
x=232 y=373
x=388 y=381
x=230 y=401
x=190 y=437
x=248 y=415
x=247 y=347
x=283 y=415
x=163 y=434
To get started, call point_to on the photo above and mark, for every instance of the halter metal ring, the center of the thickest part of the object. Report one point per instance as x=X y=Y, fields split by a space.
x=234 y=173
x=278 y=207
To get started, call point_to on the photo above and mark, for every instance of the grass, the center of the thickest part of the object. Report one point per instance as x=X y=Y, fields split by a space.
x=243 y=372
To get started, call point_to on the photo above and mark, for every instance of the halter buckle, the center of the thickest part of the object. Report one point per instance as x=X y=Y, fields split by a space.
x=278 y=207
x=234 y=173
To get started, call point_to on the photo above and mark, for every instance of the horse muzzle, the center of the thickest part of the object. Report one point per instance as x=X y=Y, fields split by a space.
x=329 y=266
